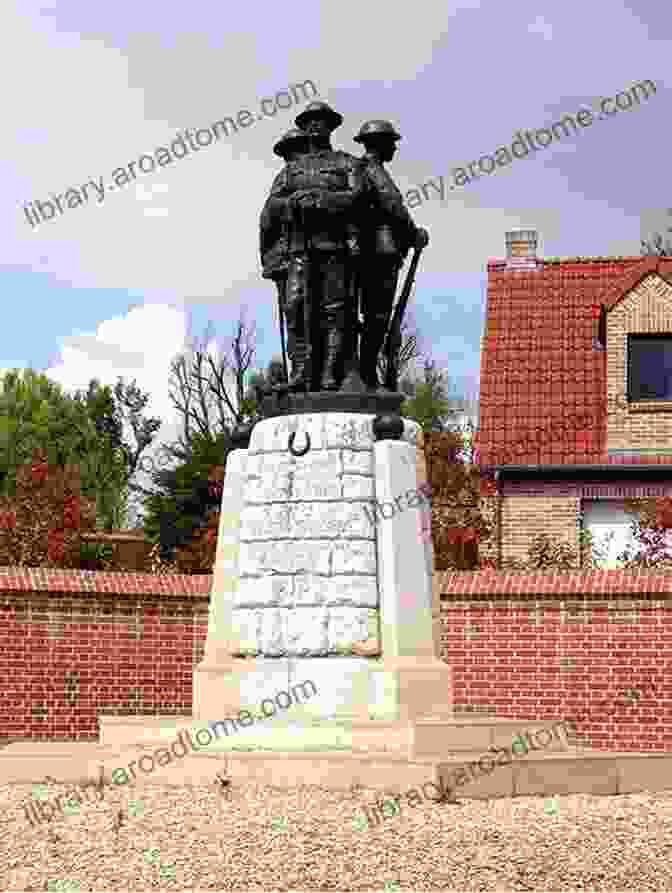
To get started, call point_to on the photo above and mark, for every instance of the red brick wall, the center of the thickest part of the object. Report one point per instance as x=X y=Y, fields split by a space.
x=75 y=644
x=563 y=646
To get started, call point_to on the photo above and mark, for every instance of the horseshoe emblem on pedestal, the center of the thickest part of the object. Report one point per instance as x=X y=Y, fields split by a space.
x=290 y=445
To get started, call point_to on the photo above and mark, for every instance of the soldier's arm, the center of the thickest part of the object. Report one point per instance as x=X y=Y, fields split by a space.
x=338 y=201
x=391 y=200
x=278 y=199
x=273 y=211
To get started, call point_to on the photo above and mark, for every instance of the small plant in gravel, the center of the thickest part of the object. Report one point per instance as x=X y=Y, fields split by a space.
x=136 y=808
x=279 y=823
x=551 y=807
x=62 y=886
x=359 y=823
x=152 y=855
x=168 y=871
x=40 y=791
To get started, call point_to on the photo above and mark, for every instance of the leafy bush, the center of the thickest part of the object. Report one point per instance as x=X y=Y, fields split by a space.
x=42 y=522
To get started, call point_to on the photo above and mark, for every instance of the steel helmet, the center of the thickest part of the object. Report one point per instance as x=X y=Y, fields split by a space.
x=319 y=110
x=376 y=129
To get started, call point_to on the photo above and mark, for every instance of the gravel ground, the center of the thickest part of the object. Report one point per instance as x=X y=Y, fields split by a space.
x=260 y=838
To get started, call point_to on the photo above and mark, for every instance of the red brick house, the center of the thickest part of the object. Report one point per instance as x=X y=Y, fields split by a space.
x=576 y=393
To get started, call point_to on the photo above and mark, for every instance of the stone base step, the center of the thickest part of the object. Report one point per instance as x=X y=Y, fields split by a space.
x=576 y=771
x=417 y=739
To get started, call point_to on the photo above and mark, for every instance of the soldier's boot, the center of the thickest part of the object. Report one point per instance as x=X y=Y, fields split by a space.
x=333 y=359
x=298 y=355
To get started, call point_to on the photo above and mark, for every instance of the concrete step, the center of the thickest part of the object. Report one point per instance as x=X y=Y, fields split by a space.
x=66 y=762
x=468 y=774
x=441 y=738
x=576 y=771
x=417 y=739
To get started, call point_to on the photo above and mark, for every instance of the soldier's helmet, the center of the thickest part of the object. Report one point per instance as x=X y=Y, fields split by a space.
x=319 y=110
x=292 y=141
x=376 y=129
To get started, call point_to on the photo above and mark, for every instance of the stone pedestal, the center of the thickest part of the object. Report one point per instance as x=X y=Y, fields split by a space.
x=322 y=583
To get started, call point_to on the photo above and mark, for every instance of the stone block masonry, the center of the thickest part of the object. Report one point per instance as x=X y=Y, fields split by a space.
x=307 y=548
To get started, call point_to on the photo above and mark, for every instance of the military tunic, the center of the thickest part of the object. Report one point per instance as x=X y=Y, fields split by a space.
x=317 y=246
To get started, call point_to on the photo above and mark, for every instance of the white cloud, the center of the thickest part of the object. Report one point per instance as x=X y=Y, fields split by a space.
x=139 y=345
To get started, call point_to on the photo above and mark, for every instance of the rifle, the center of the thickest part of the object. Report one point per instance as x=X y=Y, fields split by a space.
x=393 y=341
x=307 y=315
x=281 y=295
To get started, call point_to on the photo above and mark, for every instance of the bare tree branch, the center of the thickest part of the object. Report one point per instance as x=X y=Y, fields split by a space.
x=410 y=347
x=200 y=384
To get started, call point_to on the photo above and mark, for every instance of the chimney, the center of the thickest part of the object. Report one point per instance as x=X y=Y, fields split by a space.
x=521 y=249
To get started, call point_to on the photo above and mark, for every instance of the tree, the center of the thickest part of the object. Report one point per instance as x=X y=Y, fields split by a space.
x=109 y=459
x=210 y=394
x=198 y=386
x=260 y=382
x=85 y=429
x=460 y=519
x=427 y=401
x=41 y=525
x=549 y=553
x=35 y=413
x=652 y=532
x=656 y=247
x=184 y=496
x=104 y=448
x=131 y=403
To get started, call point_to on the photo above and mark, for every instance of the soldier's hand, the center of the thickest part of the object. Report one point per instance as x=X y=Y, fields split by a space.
x=421 y=238
x=304 y=198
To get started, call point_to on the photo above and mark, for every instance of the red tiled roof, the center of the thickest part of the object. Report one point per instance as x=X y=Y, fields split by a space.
x=543 y=370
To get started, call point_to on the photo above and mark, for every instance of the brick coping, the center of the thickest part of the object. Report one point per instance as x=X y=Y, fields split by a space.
x=36 y=579
x=571 y=583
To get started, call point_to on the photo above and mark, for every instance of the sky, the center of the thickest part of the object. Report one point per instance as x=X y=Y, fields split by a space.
x=114 y=286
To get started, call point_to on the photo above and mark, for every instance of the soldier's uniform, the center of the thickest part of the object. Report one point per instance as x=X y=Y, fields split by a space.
x=322 y=244
x=387 y=235
x=274 y=243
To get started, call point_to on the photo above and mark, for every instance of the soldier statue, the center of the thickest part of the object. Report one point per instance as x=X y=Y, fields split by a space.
x=387 y=233
x=274 y=246
x=320 y=196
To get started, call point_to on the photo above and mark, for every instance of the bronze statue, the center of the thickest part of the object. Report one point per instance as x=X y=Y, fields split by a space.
x=334 y=231
x=387 y=234
x=320 y=196
x=274 y=246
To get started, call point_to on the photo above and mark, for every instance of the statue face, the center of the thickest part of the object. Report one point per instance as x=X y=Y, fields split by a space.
x=318 y=130
x=387 y=149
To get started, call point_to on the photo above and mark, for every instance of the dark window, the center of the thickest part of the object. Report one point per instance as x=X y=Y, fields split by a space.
x=649 y=367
